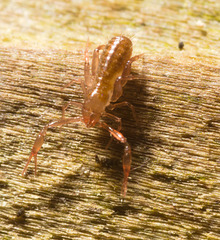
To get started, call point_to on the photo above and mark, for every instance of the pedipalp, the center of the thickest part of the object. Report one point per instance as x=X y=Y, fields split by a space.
x=126 y=157
x=40 y=139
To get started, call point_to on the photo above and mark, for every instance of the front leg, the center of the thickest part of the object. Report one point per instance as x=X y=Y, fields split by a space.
x=112 y=106
x=126 y=157
x=78 y=104
x=40 y=139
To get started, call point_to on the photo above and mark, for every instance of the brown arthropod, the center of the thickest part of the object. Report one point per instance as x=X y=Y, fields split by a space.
x=102 y=87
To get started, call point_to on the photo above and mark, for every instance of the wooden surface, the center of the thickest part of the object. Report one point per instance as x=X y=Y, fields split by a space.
x=174 y=185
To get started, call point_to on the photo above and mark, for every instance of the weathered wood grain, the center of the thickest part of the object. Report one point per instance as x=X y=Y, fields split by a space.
x=176 y=147
x=174 y=185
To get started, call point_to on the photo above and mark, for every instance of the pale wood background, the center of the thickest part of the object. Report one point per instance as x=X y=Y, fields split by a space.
x=174 y=187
